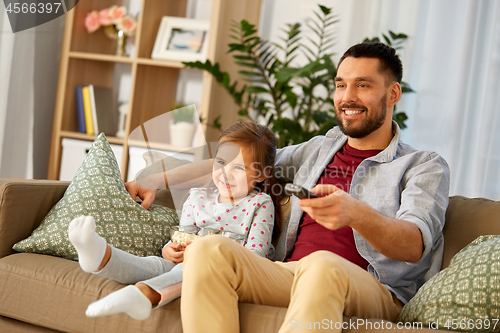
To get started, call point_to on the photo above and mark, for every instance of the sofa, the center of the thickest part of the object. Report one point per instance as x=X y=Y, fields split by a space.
x=41 y=293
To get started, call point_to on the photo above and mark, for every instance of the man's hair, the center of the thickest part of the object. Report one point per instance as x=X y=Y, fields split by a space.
x=390 y=63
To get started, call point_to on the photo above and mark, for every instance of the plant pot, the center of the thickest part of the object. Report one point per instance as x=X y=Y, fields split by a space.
x=182 y=134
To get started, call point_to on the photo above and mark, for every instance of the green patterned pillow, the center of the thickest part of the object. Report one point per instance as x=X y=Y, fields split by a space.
x=466 y=295
x=98 y=190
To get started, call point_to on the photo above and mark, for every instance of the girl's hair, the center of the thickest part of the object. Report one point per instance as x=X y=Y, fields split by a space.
x=262 y=143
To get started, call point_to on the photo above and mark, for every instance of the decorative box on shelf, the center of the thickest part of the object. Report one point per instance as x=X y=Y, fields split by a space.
x=74 y=152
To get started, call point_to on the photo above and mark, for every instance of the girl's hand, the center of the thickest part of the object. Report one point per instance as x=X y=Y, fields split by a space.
x=174 y=252
x=147 y=195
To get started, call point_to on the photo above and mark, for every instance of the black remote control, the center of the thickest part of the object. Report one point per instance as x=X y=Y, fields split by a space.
x=299 y=191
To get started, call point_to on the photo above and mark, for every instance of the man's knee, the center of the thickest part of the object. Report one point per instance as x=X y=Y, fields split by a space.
x=321 y=264
x=204 y=257
x=206 y=247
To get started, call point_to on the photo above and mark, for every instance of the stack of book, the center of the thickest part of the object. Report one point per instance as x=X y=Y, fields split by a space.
x=96 y=110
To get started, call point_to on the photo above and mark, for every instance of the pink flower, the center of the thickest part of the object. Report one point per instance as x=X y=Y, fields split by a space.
x=118 y=13
x=105 y=17
x=92 y=21
x=128 y=25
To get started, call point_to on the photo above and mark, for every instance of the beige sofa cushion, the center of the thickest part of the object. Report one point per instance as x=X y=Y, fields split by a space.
x=467 y=219
x=54 y=292
x=28 y=202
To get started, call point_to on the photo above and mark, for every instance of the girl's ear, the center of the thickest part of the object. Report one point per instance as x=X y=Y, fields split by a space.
x=265 y=175
x=261 y=179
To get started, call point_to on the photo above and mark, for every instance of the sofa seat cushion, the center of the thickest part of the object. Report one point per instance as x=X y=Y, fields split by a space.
x=12 y=325
x=54 y=293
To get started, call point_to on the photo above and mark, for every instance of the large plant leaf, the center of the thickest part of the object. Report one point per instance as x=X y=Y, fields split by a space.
x=256 y=90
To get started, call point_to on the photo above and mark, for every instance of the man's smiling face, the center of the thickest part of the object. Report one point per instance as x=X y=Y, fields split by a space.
x=360 y=97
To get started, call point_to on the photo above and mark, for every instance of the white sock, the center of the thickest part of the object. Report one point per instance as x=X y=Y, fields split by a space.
x=90 y=246
x=129 y=300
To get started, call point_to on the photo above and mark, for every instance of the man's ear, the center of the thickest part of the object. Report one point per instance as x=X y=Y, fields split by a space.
x=395 y=92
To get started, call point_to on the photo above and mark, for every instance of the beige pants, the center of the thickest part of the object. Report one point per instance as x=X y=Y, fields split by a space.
x=219 y=273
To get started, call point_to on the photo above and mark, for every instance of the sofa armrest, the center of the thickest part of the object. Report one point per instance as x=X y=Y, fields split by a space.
x=23 y=205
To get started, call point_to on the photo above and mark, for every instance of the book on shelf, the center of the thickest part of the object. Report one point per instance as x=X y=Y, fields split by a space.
x=89 y=123
x=96 y=110
x=104 y=111
x=80 y=111
x=92 y=107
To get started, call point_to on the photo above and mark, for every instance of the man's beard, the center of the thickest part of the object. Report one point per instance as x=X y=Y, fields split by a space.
x=370 y=125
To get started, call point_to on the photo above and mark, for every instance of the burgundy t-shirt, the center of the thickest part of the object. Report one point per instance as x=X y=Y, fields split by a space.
x=313 y=236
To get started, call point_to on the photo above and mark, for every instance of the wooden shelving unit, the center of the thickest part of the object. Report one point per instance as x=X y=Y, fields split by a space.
x=89 y=59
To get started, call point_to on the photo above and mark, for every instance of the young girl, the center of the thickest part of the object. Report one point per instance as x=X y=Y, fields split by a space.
x=236 y=201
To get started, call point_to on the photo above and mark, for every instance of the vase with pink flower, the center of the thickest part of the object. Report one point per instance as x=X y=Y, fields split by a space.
x=116 y=24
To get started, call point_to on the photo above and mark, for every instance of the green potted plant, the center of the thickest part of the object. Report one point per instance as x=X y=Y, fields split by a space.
x=182 y=125
x=295 y=101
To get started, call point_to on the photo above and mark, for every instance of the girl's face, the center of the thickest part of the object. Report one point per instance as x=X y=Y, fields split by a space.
x=234 y=173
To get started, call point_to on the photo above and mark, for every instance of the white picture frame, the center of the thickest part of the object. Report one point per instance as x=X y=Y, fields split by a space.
x=181 y=39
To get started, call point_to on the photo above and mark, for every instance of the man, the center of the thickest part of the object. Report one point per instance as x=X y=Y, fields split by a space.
x=364 y=247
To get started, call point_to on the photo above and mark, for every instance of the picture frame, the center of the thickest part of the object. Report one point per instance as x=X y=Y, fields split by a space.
x=181 y=39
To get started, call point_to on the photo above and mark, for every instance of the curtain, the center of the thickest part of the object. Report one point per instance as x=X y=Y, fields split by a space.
x=451 y=59
x=29 y=66
x=456 y=70
x=6 y=52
